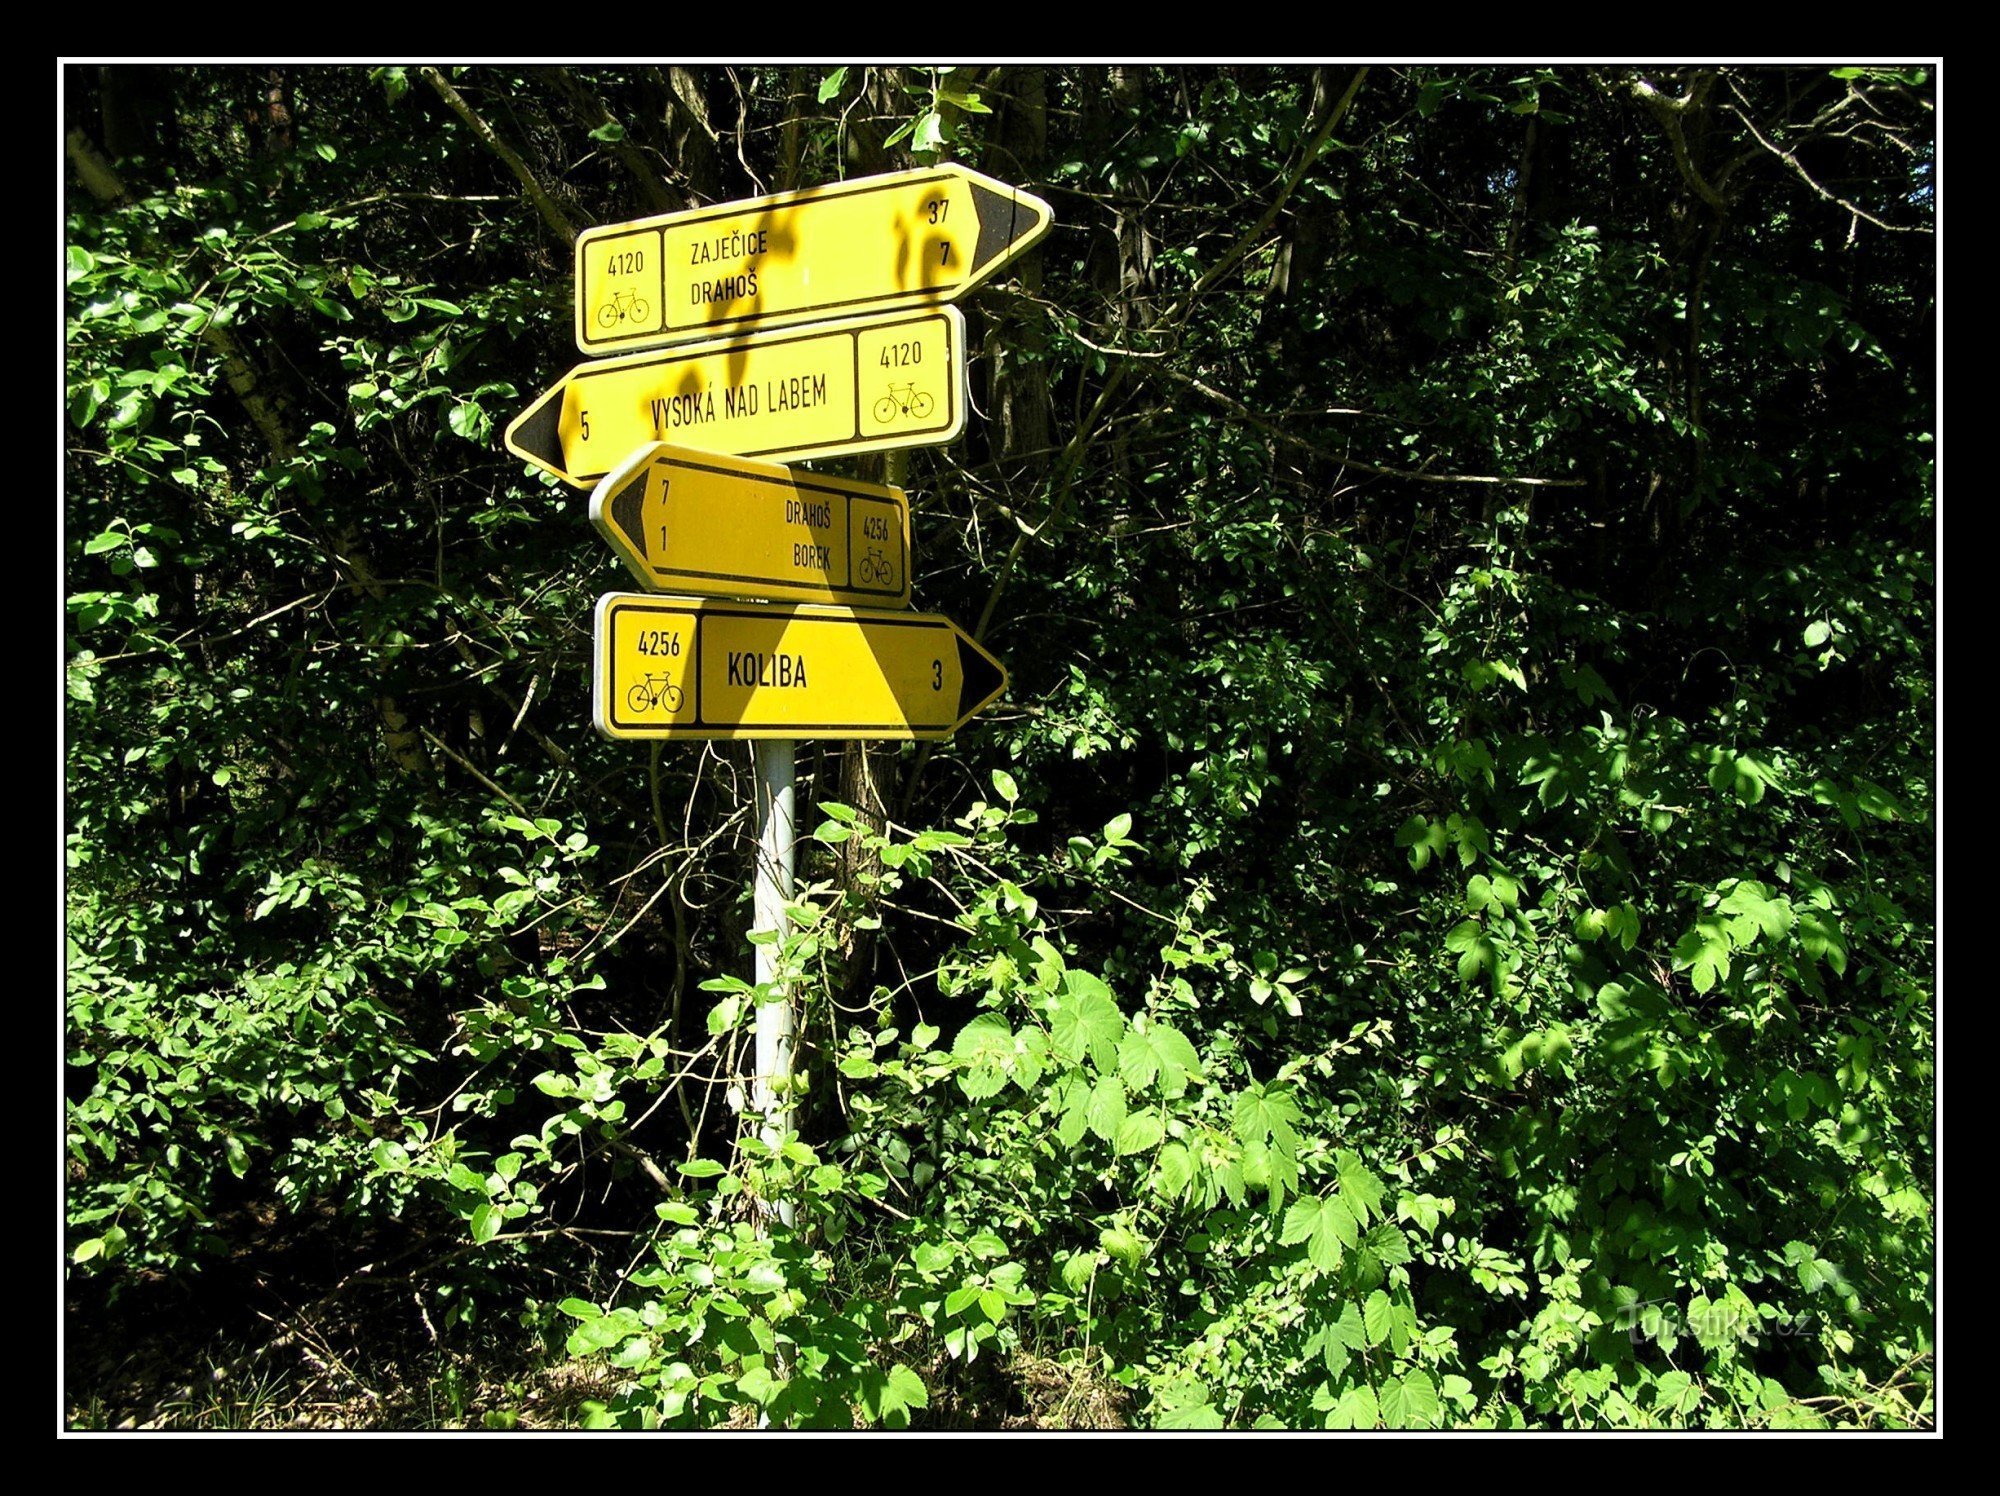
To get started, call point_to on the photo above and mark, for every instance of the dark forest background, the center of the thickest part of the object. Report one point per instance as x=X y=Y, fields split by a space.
x=1441 y=931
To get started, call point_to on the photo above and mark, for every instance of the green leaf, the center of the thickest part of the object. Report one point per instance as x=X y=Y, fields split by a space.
x=1410 y=1401
x=633 y=1354
x=831 y=85
x=1819 y=935
x=1075 y=1114
x=1175 y=1171
x=985 y=1047
x=1378 y=1317
x=1161 y=1051
x=1325 y=1225
x=1387 y=1241
x=1357 y=1409
x=1004 y=786
x=1139 y=1132
x=1361 y=1189
x=469 y=421
x=759 y=1385
x=486 y=1222
x=1344 y=1337
x=1676 y=1391
x=1137 y=1062
x=84 y=403
x=1106 y=1112
x=902 y=1391
x=1263 y=1114
x=1123 y=1244
x=1424 y=838
x=1086 y=1021
x=1703 y=953
x=1740 y=775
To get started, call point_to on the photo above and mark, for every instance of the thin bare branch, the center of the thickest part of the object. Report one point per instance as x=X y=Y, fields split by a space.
x=1804 y=176
x=1265 y=424
x=537 y=194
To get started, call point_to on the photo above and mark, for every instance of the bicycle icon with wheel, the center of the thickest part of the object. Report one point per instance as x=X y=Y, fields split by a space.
x=623 y=306
x=903 y=399
x=876 y=570
x=653 y=694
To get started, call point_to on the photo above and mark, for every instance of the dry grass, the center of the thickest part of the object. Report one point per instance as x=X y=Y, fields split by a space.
x=1072 y=1393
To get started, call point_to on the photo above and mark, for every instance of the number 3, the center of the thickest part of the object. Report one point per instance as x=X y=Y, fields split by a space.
x=937 y=675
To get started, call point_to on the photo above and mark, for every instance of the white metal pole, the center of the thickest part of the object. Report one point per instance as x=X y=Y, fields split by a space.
x=770 y=891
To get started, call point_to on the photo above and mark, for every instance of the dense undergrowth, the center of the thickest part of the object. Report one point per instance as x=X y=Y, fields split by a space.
x=1441 y=932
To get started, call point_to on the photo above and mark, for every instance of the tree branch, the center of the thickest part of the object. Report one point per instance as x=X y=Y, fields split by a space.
x=1804 y=176
x=1668 y=110
x=592 y=110
x=1273 y=428
x=1250 y=240
x=466 y=764
x=537 y=194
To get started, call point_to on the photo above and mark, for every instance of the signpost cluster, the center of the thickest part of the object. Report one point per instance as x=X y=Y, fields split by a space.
x=723 y=344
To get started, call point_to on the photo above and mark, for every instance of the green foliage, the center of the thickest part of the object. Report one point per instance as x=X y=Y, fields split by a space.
x=1441 y=934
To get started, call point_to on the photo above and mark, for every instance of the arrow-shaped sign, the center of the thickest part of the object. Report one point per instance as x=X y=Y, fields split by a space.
x=683 y=667
x=873 y=244
x=688 y=521
x=861 y=386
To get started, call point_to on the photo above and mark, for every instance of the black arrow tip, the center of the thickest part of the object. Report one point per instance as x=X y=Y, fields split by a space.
x=537 y=433
x=1005 y=219
x=981 y=677
x=625 y=509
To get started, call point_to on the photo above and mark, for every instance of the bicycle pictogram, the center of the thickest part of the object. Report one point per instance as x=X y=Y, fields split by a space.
x=876 y=570
x=905 y=399
x=652 y=694
x=622 y=306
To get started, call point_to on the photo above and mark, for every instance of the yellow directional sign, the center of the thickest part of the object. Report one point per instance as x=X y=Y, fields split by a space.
x=861 y=386
x=869 y=245
x=689 y=521
x=683 y=667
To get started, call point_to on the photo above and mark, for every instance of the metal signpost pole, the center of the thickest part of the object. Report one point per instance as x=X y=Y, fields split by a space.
x=770 y=892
